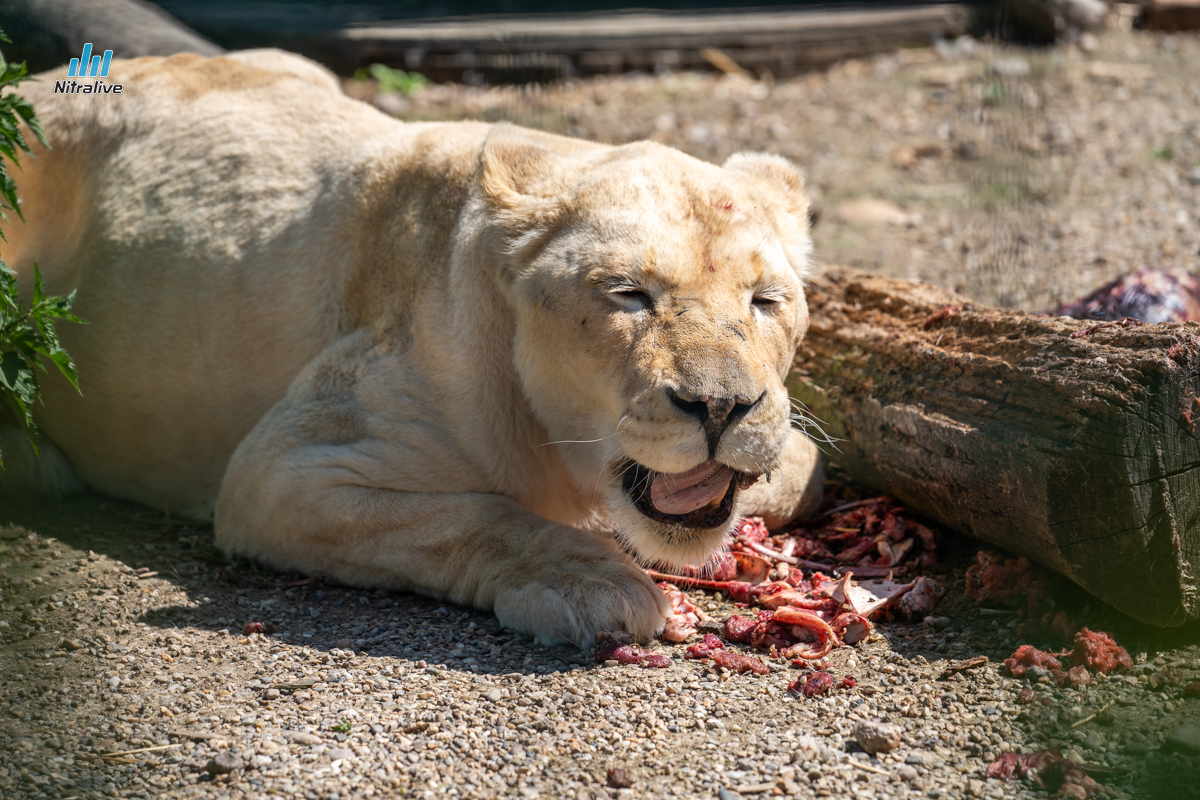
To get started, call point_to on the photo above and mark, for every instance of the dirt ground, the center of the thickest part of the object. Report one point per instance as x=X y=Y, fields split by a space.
x=1020 y=178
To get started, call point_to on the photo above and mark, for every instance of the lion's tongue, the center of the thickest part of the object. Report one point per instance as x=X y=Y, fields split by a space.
x=688 y=491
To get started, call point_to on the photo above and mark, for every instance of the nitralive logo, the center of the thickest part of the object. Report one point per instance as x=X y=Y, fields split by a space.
x=88 y=66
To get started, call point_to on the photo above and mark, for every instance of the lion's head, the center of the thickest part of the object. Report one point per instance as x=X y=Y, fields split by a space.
x=659 y=302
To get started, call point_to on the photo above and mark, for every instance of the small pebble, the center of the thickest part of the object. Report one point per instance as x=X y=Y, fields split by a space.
x=300 y=737
x=877 y=737
x=619 y=778
x=223 y=763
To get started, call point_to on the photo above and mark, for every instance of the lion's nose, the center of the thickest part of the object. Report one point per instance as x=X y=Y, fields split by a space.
x=715 y=414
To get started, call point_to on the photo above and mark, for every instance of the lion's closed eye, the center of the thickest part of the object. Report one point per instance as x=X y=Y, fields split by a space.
x=768 y=299
x=627 y=294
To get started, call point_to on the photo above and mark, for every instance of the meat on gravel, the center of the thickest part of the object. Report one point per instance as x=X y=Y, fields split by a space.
x=1047 y=770
x=618 y=646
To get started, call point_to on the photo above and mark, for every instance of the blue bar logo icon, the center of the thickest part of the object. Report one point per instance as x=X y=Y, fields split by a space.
x=88 y=65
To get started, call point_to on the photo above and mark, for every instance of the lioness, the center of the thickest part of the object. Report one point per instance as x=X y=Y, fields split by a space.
x=460 y=359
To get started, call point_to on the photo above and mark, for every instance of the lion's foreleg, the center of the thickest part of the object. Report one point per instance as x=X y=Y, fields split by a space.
x=552 y=581
x=795 y=486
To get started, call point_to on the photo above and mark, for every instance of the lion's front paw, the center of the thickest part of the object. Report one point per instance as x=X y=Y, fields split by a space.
x=573 y=599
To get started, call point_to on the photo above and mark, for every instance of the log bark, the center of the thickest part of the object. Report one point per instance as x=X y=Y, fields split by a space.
x=1080 y=452
x=46 y=33
x=547 y=47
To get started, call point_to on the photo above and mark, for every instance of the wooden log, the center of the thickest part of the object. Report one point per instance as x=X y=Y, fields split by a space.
x=1052 y=19
x=46 y=33
x=783 y=41
x=1073 y=444
x=1172 y=15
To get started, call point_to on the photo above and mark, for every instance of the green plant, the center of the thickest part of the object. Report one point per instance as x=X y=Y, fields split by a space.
x=1163 y=153
x=343 y=727
x=391 y=80
x=26 y=333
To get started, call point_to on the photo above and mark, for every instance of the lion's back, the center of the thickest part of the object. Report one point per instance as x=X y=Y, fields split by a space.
x=197 y=213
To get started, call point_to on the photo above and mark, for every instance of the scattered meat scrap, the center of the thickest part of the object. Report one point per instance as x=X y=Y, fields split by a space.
x=950 y=311
x=1098 y=651
x=265 y=628
x=1124 y=322
x=1094 y=651
x=813 y=685
x=684 y=616
x=736 y=662
x=1148 y=295
x=1165 y=679
x=711 y=647
x=920 y=601
x=869 y=536
x=707 y=646
x=1029 y=657
x=820 y=682
x=1008 y=582
x=1047 y=770
x=618 y=646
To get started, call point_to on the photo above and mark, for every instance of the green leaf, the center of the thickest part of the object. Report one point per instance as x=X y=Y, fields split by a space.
x=27 y=334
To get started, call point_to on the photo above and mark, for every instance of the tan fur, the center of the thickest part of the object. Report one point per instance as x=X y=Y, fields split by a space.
x=398 y=354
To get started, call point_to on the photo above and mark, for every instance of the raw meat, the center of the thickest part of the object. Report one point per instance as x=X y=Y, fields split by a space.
x=1029 y=656
x=1098 y=651
x=1011 y=583
x=817 y=683
x=618 y=646
x=1148 y=295
x=1047 y=770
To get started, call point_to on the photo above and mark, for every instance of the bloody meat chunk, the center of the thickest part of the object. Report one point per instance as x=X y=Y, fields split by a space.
x=919 y=601
x=265 y=628
x=851 y=628
x=1075 y=676
x=618 y=646
x=1149 y=295
x=740 y=629
x=752 y=529
x=707 y=646
x=1047 y=770
x=736 y=662
x=684 y=617
x=1098 y=651
x=817 y=683
x=1012 y=582
x=1029 y=656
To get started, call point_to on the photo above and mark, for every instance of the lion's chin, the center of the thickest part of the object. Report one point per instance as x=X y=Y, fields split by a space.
x=667 y=539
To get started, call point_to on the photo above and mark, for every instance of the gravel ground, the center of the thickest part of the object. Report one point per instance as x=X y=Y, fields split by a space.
x=123 y=632
x=120 y=633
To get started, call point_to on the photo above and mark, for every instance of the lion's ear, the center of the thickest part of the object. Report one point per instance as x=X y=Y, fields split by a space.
x=521 y=179
x=785 y=183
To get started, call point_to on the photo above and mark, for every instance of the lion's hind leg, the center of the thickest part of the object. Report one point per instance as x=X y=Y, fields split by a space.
x=27 y=475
